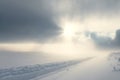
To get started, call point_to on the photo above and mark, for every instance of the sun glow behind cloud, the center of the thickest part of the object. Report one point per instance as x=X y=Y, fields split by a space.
x=68 y=30
x=74 y=43
x=74 y=17
x=70 y=27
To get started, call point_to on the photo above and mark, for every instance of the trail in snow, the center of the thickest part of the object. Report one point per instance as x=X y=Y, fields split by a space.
x=34 y=71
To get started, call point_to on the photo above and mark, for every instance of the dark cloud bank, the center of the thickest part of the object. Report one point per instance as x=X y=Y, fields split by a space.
x=22 y=22
x=106 y=42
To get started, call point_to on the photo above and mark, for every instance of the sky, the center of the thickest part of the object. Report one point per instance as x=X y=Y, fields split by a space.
x=61 y=27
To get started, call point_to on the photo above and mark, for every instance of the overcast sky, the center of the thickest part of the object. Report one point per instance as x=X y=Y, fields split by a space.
x=45 y=24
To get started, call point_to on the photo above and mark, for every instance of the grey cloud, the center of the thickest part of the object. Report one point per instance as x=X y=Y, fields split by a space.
x=21 y=22
x=84 y=8
x=102 y=7
x=105 y=42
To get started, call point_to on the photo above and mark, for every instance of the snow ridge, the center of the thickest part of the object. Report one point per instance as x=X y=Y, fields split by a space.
x=33 y=71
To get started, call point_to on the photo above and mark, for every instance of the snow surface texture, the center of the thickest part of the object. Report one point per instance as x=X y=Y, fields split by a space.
x=33 y=71
x=98 y=68
x=114 y=59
